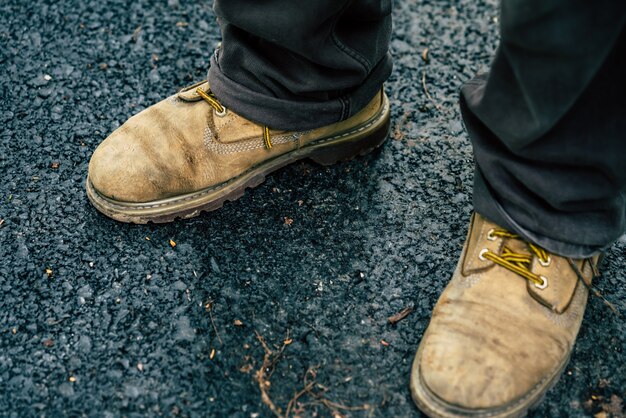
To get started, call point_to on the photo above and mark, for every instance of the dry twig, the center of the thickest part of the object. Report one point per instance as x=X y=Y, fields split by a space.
x=437 y=105
x=317 y=397
x=209 y=308
x=394 y=319
x=265 y=372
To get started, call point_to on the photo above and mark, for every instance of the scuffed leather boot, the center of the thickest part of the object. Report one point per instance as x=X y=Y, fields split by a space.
x=189 y=154
x=502 y=331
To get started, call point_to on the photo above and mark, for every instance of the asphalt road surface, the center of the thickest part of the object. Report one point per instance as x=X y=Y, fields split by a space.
x=103 y=319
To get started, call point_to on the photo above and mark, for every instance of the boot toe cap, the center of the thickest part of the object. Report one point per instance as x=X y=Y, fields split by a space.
x=469 y=380
x=118 y=170
x=481 y=371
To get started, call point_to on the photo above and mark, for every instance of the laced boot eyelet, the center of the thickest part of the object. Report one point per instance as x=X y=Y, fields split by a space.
x=546 y=263
x=544 y=283
x=490 y=235
x=222 y=113
x=481 y=255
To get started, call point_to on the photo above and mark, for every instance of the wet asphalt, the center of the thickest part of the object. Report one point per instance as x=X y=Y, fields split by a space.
x=104 y=319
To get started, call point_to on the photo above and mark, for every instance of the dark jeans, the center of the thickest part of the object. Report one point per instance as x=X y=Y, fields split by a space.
x=548 y=123
x=300 y=64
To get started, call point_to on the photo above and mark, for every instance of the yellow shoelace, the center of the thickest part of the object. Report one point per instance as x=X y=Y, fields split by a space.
x=221 y=110
x=518 y=263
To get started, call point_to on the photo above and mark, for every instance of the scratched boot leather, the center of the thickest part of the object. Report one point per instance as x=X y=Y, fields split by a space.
x=503 y=329
x=189 y=154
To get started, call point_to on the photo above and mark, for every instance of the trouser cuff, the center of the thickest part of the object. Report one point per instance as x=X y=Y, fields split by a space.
x=488 y=206
x=294 y=115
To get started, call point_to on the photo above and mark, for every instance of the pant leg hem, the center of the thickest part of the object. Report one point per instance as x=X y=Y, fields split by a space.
x=486 y=203
x=294 y=115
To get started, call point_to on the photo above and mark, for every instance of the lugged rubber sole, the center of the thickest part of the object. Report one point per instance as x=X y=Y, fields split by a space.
x=435 y=407
x=342 y=146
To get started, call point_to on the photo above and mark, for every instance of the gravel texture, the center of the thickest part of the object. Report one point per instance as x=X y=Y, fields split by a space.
x=103 y=319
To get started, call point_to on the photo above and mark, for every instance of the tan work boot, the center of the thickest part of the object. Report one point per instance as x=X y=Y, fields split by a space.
x=189 y=154
x=503 y=329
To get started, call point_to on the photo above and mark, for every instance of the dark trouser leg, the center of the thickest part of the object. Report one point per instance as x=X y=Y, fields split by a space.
x=299 y=65
x=548 y=124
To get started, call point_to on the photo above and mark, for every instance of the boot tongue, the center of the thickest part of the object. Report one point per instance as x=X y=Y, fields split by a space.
x=517 y=246
x=562 y=279
x=189 y=94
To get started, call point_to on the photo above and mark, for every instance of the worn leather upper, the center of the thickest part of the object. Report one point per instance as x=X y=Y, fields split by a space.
x=181 y=145
x=494 y=335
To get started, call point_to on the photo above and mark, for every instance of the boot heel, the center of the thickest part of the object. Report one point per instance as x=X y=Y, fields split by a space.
x=345 y=151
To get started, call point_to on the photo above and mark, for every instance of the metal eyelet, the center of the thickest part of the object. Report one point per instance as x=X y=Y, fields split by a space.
x=544 y=283
x=481 y=255
x=490 y=235
x=546 y=263
x=222 y=113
